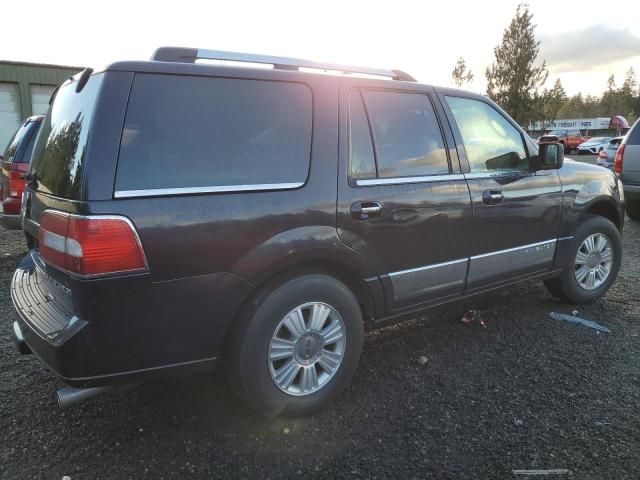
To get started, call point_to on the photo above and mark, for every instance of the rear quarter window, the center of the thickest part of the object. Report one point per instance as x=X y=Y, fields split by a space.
x=204 y=133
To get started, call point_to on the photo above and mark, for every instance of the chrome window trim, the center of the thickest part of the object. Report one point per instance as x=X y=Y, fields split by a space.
x=160 y=192
x=428 y=267
x=481 y=175
x=446 y=177
x=514 y=249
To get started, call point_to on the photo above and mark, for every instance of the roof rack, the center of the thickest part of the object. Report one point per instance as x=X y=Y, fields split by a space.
x=190 y=55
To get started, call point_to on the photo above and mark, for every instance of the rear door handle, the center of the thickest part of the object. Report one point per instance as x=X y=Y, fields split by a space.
x=492 y=197
x=366 y=210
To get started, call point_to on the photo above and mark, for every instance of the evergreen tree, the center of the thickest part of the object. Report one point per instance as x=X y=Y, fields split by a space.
x=513 y=80
x=461 y=74
x=553 y=100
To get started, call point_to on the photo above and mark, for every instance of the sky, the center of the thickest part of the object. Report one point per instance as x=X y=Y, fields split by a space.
x=583 y=42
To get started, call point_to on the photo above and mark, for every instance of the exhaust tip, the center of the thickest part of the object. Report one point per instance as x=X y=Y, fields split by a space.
x=68 y=396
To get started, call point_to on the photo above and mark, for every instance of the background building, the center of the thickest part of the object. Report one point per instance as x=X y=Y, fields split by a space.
x=25 y=89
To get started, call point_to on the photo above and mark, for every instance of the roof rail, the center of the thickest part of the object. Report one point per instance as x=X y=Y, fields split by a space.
x=190 y=55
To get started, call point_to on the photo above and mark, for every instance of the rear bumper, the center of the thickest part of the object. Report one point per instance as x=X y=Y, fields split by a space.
x=125 y=329
x=10 y=222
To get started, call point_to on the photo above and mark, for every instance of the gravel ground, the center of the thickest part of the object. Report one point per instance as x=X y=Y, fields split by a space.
x=523 y=392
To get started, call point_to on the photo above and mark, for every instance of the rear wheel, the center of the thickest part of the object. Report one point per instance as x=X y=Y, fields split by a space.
x=296 y=347
x=633 y=209
x=593 y=262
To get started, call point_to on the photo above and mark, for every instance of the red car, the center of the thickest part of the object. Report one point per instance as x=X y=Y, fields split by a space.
x=570 y=138
x=15 y=165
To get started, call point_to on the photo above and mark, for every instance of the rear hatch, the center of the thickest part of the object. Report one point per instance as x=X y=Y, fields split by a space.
x=56 y=174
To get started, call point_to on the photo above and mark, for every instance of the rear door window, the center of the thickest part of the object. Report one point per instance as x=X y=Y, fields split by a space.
x=406 y=133
x=185 y=134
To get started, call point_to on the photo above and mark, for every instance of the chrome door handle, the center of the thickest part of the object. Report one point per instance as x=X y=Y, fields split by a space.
x=492 y=197
x=366 y=210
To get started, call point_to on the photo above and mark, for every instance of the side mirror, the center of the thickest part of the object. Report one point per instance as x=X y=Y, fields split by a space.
x=550 y=157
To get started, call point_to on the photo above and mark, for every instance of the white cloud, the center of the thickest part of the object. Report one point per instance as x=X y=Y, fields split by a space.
x=588 y=48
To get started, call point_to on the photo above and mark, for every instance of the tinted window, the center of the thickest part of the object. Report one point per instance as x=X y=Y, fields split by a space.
x=185 y=132
x=360 y=145
x=633 y=136
x=26 y=156
x=407 y=135
x=490 y=141
x=24 y=134
x=60 y=149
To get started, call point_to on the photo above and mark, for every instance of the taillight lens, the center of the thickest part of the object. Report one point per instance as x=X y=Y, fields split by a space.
x=17 y=172
x=93 y=245
x=617 y=164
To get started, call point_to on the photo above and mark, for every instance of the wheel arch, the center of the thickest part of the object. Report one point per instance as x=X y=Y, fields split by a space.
x=603 y=207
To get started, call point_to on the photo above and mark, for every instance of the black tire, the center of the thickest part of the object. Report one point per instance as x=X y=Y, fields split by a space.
x=633 y=209
x=566 y=287
x=247 y=351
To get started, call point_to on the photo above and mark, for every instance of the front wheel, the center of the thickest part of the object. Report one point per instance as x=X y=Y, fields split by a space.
x=296 y=347
x=593 y=262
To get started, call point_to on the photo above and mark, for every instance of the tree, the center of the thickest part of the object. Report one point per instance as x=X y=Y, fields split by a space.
x=513 y=80
x=461 y=74
x=553 y=100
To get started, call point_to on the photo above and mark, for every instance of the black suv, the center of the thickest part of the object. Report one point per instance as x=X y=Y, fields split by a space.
x=185 y=213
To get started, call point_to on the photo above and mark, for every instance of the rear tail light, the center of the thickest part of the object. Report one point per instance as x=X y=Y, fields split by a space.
x=17 y=172
x=617 y=164
x=93 y=245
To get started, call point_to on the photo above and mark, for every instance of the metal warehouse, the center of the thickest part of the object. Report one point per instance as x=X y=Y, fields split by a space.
x=25 y=89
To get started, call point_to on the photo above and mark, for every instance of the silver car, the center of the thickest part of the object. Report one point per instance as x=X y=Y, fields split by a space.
x=608 y=154
x=593 y=145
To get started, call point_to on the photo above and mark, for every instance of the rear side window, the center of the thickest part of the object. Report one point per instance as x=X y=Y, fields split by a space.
x=406 y=133
x=188 y=132
x=61 y=147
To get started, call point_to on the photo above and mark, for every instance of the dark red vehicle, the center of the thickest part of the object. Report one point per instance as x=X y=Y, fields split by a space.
x=15 y=165
x=570 y=139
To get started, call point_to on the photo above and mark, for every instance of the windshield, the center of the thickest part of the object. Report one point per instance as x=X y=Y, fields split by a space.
x=60 y=150
x=599 y=139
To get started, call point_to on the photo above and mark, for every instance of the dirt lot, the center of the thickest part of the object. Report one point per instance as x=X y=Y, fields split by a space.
x=526 y=392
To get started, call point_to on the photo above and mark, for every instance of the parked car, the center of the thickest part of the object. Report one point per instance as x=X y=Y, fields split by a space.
x=608 y=154
x=15 y=163
x=570 y=139
x=627 y=166
x=593 y=145
x=185 y=213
